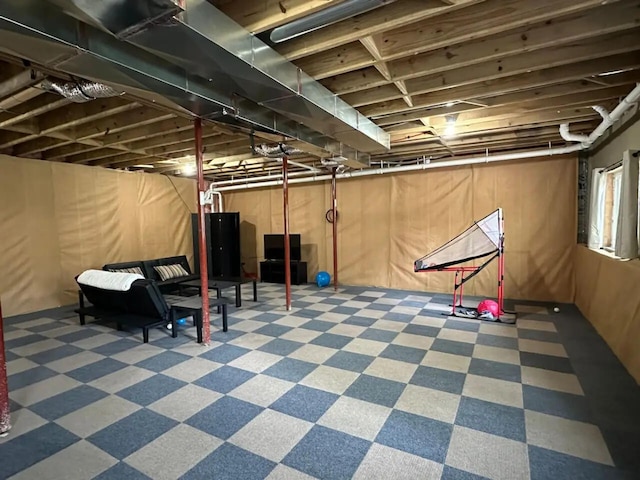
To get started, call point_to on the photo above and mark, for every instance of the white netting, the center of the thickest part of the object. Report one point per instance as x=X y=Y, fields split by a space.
x=479 y=240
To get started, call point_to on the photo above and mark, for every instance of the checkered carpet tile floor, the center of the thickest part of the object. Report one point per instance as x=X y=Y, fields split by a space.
x=365 y=383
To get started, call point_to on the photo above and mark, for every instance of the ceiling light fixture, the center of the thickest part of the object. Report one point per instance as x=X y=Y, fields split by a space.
x=189 y=169
x=324 y=18
x=450 y=129
x=450 y=104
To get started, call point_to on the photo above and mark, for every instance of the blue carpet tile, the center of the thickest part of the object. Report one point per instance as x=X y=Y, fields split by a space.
x=363 y=383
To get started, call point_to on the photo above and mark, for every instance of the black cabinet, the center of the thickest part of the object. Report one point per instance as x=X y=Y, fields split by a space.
x=273 y=271
x=223 y=244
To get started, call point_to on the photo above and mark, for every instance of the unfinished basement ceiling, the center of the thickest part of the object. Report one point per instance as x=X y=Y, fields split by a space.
x=444 y=78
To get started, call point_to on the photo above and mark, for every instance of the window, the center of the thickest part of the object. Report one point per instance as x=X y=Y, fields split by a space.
x=614 y=218
x=613 y=187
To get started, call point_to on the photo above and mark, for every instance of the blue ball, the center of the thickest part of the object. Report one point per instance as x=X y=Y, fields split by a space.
x=323 y=279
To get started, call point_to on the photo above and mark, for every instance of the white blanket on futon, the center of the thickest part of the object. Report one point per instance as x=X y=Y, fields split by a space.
x=108 y=280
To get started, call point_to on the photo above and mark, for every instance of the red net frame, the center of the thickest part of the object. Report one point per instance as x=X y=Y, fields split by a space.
x=466 y=273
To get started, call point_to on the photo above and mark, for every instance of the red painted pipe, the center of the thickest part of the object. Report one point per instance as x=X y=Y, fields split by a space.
x=202 y=241
x=335 y=228
x=287 y=253
x=5 y=411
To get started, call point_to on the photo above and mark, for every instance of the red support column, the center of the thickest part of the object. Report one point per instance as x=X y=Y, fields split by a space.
x=334 y=207
x=202 y=242
x=287 y=246
x=5 y=416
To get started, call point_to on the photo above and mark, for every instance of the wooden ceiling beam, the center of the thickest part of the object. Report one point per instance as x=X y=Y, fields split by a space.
x=469 y=138
x=148 y=132
x=227 y=147
x=37 y=144
x=596 y=22
x=526 y=63
x=8 y=103
x=487 y=137
x=336 y=61
x=476 y=21
x=497 y=113
x=177 y=135
x=372 y=45
x=515 y=83
x=20 y=81
x=76 y=114
x=32 y=108
x=609 y=19
x=131 y=119
x=262 y=15
x=519 y=102
x=397 y=14
x=355 y=81
x=544 y=118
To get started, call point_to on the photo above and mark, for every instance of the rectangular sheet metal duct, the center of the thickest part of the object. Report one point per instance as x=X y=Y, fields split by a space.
x=198 y=59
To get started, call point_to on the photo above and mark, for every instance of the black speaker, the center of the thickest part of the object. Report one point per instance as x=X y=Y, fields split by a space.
x=223 y=244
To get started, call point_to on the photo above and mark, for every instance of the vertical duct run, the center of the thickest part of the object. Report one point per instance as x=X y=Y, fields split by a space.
x=583 y=196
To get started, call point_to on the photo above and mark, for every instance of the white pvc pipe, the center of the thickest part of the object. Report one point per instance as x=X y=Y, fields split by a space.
x=410 y=168
x=571 y=137
x=585 y=142
x=616 y=114
x=608 y=119
x=220 y=204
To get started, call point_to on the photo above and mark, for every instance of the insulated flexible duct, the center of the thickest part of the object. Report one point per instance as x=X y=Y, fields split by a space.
x=277 y=152
x=79 y=92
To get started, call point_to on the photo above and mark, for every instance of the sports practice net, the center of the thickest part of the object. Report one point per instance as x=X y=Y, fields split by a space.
x=480 y=240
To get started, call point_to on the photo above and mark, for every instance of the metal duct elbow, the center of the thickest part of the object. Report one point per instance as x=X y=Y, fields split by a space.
x=277 y=152
x=81 y=91
x=570 y=137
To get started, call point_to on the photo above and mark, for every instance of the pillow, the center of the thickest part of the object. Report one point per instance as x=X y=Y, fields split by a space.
x=167 y=272
x=137 y=270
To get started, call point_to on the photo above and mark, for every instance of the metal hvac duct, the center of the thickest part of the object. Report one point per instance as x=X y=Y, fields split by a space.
x=324 y=18
x=199 y=60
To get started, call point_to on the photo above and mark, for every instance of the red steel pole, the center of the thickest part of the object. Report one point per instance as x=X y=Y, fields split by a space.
x=202 y=241
x=335 y=228
x=287 y=253
x=5 y=411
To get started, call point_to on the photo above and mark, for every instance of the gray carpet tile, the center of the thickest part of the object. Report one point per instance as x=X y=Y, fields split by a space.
x=361 y=383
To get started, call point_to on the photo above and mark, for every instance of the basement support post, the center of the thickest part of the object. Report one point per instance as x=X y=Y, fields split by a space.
x=334 y=208
x=202 y=241
x=287 y=246
x=5 y=416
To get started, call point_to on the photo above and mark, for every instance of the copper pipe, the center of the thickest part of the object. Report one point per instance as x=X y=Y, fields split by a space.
x=287 y=246
x=5 y=411
x=334 y=207
x=202 y=241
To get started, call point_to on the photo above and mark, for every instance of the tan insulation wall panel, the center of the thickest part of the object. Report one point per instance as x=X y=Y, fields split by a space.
x=388 y=221
x=607 y=294
x=29 y=250
x=60 y=219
